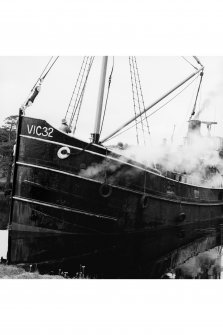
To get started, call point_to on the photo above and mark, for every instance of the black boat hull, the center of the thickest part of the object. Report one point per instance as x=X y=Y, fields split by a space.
x=72 y=199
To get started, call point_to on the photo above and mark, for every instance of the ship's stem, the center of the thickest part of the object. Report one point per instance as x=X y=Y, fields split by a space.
x=19 y=124
x=96 y=134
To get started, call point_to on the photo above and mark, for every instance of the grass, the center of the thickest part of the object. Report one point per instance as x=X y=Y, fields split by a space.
x=14 y=272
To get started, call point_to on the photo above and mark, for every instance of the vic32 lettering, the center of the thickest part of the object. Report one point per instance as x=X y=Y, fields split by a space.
x=39 y=131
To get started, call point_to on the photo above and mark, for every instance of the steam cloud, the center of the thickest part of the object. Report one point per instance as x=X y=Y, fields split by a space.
x=198 y=161
x=202 y=266
x=210 y=96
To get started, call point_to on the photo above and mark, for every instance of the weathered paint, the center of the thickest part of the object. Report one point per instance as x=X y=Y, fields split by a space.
x=59 y=212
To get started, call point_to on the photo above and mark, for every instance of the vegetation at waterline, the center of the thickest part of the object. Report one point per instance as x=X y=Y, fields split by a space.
x=18 y=272
x=7 y=141
x=14 y=272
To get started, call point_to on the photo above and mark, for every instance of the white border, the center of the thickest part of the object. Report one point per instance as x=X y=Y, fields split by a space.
x=123 y=27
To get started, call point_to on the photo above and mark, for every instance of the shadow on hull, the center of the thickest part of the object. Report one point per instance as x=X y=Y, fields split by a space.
x=137 y=256
x=118 y=221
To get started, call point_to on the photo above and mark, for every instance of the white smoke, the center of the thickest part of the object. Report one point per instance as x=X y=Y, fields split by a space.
x=100 y=170
x=210 y=96
x=198 y=161
x=205 y=265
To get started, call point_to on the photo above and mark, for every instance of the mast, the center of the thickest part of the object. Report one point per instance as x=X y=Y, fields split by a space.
x=97 y=125
x=152 y=105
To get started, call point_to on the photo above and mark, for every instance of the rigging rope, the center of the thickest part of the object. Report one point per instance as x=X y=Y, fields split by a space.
x=189 y=62
x=137 y=94
x=138 y=101
x=49 y=69
x=133 y=97
x=41 y=74
x=79 y=103
x=195 y=103
x=142 y=99
x=78 y=92
x=37 y=86
x=82 y=64
x=156 y=109
x=79 y=78
x=106 y=101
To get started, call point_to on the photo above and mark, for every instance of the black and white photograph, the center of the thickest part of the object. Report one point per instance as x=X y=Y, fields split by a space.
x=111 y=167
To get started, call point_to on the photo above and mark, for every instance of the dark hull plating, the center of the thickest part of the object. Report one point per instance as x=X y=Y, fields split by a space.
x=71 y=199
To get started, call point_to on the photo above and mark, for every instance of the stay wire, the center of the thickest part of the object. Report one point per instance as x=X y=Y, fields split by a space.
x=142 y=99
x=133 y=97
x=41 y=78
x=74 y=90
x=49 y=68
x=137 y=94
x=156 y=109
x=42 y=73
x=198 y=90
x=189 y=62
x=80 y=100
x=80 y=84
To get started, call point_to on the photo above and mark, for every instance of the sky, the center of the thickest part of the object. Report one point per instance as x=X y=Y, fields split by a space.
x=157 y=74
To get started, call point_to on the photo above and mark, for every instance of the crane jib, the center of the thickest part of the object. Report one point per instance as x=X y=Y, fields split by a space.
x=152 y=105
